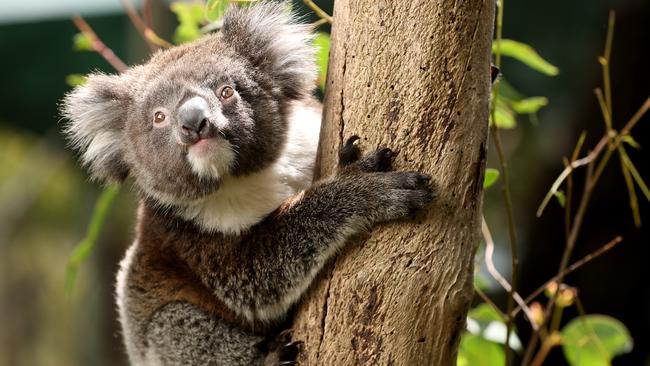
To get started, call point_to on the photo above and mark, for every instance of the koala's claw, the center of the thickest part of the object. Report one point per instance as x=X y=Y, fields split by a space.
x=350 y=152
x=289 y=352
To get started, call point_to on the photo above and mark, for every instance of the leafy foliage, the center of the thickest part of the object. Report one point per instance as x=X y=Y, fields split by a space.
x=491 y=176
x=190 y=17
x=322 y=43
x=525 y=54
x=594 y=340
x=85 y=247
x=509 y=102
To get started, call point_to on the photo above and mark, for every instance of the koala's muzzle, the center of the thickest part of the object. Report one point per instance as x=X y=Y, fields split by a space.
x=194 y=120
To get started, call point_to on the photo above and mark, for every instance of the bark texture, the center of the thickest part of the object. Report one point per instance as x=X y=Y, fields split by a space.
x=413 y=76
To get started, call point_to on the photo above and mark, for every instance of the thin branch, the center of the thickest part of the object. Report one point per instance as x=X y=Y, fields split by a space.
x=584 y=260
x=489 y=263
x=147 y=13
x=594 y=154
x=98 y=45
x=152 y=39
x=320 y=12
x=319 y=22
x=488 y=301
x=568 y=170
x=553 y=340
x=606 y=59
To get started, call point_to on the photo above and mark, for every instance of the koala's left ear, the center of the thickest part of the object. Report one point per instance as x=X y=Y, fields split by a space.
x=96 y=113
x=273 y=40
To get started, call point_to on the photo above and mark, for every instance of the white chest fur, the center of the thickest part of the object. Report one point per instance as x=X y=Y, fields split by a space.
x=244 y=201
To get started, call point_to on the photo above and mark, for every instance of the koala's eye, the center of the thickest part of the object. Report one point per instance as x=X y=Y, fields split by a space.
x=159 y=117
x=227 y=92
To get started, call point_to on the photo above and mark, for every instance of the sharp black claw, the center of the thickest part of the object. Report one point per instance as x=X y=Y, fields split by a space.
x=290 y=350
x=349 y=151
x=288 y=363
x=351 y=140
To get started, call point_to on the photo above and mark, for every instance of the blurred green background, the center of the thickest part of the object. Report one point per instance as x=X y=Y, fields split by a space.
x=46 y=199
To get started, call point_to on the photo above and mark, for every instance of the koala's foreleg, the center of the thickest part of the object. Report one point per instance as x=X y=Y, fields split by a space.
x=279 y=258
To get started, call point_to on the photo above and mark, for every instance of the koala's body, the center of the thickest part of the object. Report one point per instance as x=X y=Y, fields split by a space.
x=219 y=137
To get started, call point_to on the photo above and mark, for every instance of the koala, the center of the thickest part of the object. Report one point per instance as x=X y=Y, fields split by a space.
x=219 y=139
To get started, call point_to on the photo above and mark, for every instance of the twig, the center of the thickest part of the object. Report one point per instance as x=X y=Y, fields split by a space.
x=605 y=61
x=488 y=301
x=505 y=189
x=594 y=154
x=98 y=45
x=551 y=341
x=147 y=13
x=489 y=263
x=320 y=12
x=152 y=39
x=584 y=260
x=319 y=22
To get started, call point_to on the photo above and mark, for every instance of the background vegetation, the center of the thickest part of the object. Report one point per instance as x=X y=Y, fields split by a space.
x=46 y=200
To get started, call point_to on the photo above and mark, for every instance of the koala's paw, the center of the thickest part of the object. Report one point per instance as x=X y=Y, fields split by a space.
x=403 y=194
x=350 y=158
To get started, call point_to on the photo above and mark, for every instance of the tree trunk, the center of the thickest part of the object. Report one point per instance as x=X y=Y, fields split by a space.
x=413 y=76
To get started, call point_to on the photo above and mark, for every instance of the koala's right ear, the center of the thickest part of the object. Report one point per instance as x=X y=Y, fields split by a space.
x=96 y=114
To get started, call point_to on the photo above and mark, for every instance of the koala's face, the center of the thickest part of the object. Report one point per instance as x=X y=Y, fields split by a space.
x=197 y=113
x=195 y=120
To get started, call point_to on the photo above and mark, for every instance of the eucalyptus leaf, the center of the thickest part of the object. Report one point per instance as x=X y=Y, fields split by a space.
x=504 y=115
x=484 y=321
x=75 y=80
x=477 y=351
x=215 y=9
x=594 y=340
x=529 y=105
x=525 y=54
x=190 y=16
x=322 y=44
x=491 y=176
x=82 y=42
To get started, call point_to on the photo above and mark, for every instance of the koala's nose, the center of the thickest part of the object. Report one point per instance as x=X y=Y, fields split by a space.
x=193 y=118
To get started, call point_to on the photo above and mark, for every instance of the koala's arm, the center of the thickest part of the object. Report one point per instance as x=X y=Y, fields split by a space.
x=280 y=257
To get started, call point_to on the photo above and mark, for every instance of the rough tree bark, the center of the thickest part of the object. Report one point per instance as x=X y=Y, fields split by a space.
x=414 y=76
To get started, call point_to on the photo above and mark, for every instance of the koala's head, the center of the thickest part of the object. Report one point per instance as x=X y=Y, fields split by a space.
x=196 y=113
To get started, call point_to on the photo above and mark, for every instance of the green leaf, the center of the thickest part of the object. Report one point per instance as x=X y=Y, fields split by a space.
x=504 y=115
x=529 y=105
x=215 y=9
x=484 y=321
x=630 y=141
x=190 y=16
x=594 y=340
x=75 y=80
x=322 y=44
x=480 y=281
x=82 y=42
x=477 y=351
x=86 y=245
x=525 y=54
x=491 y=176
x=561 y=198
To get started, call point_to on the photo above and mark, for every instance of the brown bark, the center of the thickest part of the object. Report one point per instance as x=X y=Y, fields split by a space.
x=414 y=76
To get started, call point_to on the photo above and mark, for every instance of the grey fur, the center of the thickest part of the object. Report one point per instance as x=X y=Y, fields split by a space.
x=188 y=295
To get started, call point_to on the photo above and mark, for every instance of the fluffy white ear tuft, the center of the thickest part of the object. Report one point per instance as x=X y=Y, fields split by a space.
x=275 y=42
x=96 y=113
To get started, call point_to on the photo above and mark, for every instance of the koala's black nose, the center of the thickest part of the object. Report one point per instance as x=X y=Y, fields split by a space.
x=193 y=118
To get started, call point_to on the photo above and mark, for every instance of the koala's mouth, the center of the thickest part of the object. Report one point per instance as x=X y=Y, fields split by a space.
x=211 y=158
